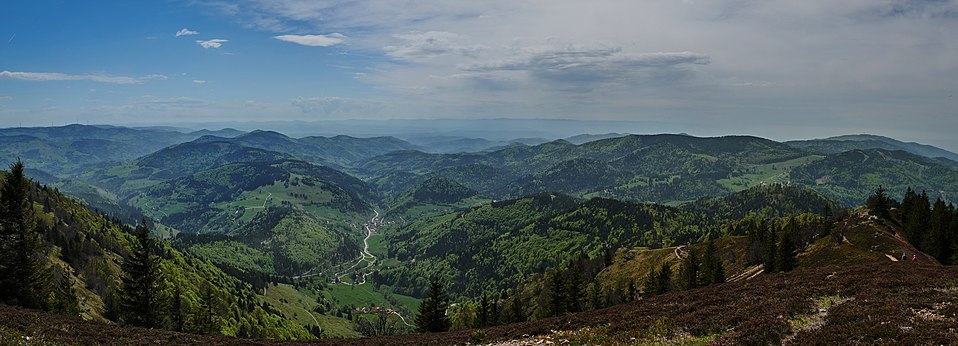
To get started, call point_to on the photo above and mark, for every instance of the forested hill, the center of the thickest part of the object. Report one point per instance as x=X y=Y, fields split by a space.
x=492 y=246
x=84 y=257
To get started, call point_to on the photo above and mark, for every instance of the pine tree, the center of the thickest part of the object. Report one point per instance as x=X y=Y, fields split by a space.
x=786 y=260
x=573 y=289
x=916 y=214
x=24 y=273
x=556 y=297
x=432 y=311
x=517 y=311
x=64 y=298
x=879 y=203
x=689 y=271
x=208 y=319
x=176 y=308
x=596 y=301
x=138 y=299
x=712 y=268
x=937 y=242
x=658 y=281
x=482 y=312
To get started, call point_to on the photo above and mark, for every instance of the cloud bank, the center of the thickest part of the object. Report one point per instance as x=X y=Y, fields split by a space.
x=313 y=40
x=56 y=76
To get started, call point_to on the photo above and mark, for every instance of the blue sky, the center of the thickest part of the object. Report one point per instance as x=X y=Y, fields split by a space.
x=778 y=69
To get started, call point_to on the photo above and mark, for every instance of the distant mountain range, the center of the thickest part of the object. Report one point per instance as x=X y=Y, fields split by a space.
x=834 y=145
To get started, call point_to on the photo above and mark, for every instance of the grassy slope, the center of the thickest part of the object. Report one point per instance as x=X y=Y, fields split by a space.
x=916 y=299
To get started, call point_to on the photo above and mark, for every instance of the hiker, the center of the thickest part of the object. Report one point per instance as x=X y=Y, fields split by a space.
x=903 y=256
x=914 y=257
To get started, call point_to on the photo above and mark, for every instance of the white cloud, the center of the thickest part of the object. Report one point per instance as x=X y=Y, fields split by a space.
x=56 y=76
x=332 y=105
x=214 y=43
x=313 y=40
x=418 y=46
x=186 y=32
x=719 y=62
x=199 y=81
x=5 y=98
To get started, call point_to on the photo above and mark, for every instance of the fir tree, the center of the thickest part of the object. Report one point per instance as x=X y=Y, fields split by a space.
x=482 y=312
x=879 y=203
x=517 y=311
x=937 y=242
x=556 y=298
x=712 y=268
x=786 y=254
x=138 y=299
x=689 y=271
x=176 y=308
x=596 y=301
x=64 y=299
x=573 y=289
x=208 y=319
x=24 y=274
x=432 y=311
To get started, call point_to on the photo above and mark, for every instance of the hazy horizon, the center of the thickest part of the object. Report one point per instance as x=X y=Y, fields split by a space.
x=775 y=69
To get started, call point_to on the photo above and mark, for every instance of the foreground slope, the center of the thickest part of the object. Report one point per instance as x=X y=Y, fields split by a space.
x=874 y=303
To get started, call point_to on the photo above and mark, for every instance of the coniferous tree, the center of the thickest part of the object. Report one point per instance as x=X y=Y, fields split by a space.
x=689 y=271
x=937 y=242
x=432 y=311
x=208 y=319
x=176 y=309
x=517 y=311
x=556 y=298
x=482 y=312
x=24 y=274
x=139 y=296
x=64 y=299
x=786 y=254
x=596 y=301
x=712 y=268
x=494 y=313
x=915 y=214
x=573 y=289
x=879 y=203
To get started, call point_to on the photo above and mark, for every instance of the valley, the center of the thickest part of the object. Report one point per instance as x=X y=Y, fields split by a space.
x=339 y=237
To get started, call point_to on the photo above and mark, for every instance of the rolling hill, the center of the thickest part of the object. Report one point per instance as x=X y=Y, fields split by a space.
x=838 y=144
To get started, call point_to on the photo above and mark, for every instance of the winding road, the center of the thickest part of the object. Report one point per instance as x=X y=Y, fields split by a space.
x=365 y=255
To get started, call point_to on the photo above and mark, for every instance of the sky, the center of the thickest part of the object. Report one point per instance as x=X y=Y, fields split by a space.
x=781 y=69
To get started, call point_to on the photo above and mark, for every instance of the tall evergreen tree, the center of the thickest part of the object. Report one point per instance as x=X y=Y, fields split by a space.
x=937 y=242
x=64 y=299
x=596 y=301
x=689 y=271
x=556 y=294
x=138 y=299
x=517 y=311
x=573 y=289
x=25 y=276
x=916 y=214
x=432 y=311
x=879 y=203
x=482 y=311
x=175 y=312
x=712 y=268
x=208 y=317
x=786 y=260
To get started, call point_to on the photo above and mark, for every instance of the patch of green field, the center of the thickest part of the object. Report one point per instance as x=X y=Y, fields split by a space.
x=367 y=295
x=298 y=306
x=769 y=173
x=377 y=246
